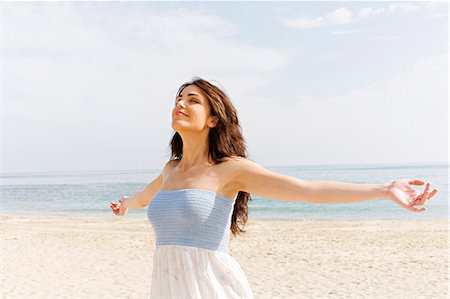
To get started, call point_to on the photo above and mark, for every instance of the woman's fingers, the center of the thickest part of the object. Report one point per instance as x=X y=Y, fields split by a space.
x=418 y=210
x=433 y=193
x=416 y=182
x=421 y=199
x=425 y=195
x=115 y=208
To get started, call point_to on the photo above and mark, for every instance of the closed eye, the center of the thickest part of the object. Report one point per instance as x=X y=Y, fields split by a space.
x=190 y=96
x=195 y=101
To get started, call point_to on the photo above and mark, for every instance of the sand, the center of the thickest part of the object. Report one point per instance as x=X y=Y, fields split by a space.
x=111 y=257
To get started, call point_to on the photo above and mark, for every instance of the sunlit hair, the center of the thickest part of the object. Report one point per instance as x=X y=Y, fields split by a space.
x=225 y=140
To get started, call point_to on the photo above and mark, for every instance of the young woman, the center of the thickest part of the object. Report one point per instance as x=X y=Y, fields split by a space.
x=203 y=191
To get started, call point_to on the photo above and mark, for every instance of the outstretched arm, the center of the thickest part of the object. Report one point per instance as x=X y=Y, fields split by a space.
x=257 y=180
x=140 y=199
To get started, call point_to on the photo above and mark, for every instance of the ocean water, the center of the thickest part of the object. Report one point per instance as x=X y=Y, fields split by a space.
x=89 y=193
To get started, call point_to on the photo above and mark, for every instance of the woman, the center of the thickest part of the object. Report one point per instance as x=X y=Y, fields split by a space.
x=203 y=191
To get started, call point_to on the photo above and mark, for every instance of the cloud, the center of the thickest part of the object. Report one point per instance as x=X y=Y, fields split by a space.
x=346 y=32
x=401 y=119
x=344 y=15
x=330 y=56
x=392 y=8
x=338 y=16
x=384 y=37
x=65 y=63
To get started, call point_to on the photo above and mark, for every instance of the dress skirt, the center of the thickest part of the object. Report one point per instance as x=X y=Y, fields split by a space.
x=191 y=272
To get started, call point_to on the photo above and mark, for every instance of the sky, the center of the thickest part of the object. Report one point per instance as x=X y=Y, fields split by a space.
x=91 y=85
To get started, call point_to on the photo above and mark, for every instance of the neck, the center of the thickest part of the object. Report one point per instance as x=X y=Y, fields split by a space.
x=195 y=152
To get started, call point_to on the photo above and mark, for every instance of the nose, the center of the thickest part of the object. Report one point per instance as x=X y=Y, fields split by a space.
x=179 y=103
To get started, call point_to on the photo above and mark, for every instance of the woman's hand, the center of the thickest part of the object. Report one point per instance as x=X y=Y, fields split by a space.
x=118 y=208
x=401 y=193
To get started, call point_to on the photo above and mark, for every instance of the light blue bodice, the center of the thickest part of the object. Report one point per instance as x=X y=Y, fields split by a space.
x=191 y=217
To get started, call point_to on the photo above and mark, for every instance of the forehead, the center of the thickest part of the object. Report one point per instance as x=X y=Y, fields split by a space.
x=192 y=89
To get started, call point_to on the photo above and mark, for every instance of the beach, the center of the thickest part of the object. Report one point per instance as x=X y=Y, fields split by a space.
x=111 y=257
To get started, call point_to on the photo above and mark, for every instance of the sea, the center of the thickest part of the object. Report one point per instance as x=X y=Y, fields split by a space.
x=89 y=193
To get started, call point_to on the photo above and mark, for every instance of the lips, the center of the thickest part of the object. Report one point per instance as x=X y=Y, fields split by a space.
x=181 y=113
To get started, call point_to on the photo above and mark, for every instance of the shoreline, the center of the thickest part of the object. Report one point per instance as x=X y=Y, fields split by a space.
x=98 y=257
x=143 y=217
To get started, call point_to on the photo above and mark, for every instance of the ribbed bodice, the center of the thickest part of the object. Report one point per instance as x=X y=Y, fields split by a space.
x=191 y=217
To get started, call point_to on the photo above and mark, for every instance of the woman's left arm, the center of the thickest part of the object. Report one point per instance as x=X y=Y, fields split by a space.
x=257 y=180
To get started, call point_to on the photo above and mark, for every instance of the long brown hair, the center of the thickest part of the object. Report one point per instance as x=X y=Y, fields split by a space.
x=225 y=140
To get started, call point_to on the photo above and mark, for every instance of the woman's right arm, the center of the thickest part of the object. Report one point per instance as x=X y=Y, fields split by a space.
x=142 y=198
x=139 y=200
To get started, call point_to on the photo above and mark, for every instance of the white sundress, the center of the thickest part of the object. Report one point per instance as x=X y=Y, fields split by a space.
x=191 y=260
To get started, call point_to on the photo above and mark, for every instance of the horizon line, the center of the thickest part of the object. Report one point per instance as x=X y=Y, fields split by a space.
x=267 y=166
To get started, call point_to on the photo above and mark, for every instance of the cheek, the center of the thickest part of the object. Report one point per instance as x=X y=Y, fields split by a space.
x=200 y=111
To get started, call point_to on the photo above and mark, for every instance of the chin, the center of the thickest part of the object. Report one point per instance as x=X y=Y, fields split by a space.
x=176 y=126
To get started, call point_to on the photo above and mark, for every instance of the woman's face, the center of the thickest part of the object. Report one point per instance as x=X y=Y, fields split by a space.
x=191 y=111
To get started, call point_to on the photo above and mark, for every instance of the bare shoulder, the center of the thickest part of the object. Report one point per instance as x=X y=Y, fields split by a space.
x=237 y=161
x=234 y=167
x=234 y=163
x=170 y=165
x=168 y=168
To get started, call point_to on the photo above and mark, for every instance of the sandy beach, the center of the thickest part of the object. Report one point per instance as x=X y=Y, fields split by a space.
x=111 y=257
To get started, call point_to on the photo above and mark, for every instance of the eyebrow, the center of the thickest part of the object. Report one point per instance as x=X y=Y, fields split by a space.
x=190 y=94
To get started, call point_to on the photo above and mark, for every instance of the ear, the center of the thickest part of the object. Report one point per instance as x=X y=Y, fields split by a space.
x=213 y=121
